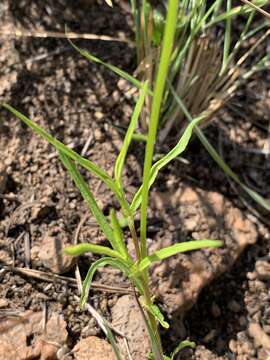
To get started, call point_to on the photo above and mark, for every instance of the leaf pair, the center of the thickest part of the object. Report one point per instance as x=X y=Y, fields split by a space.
x=116 y=263
x=133 y=271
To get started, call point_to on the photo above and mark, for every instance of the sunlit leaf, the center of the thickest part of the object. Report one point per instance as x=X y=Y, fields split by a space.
x=93 y=268
x=214 y=154
x=88 y=197
x=80 y=249
x=179 y=148
x=183 y=344
x=173 y=250
x=93 y=168
x=155 y=311
x=129 y=134
x=123 y=74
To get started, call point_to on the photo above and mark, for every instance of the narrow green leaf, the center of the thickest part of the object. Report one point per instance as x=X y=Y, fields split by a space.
x=128 y=137
x=80 y=249
x=216 y=157
x=183 y=344
x=119 y=244
x=123 y=74
x=235 y=11
x=93 y=268
x=179 y=148
x=228 y=171
x=155 y=311
x=88 y=197
x=64 y=149
x=113 y=342
x=227 y=38
x=159 y=91
x=137 y=24
x=173 y=250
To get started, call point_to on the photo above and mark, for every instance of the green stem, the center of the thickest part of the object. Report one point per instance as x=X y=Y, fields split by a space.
x=155 y=340
x=227 y=39
x=167 y=47
x=160 y=82
x=152 y=320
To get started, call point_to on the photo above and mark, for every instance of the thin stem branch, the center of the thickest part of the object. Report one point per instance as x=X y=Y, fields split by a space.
x=156 y=347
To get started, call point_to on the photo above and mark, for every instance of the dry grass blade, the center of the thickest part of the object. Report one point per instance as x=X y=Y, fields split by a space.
x=257 y=8
x=50 y=277
x=61 y=35
x=253 y=47
x=96 y=315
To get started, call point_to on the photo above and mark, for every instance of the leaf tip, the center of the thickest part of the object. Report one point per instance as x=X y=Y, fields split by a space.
x=68 y=251
x=219 y=243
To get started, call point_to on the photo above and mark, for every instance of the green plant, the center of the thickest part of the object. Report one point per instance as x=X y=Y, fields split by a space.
x=206 y=69
x=205 y=72
x=231 y=80
x=116 y=254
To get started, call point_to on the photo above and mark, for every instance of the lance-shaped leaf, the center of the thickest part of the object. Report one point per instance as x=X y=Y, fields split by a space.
x=93 y=268
x=118 y=169
x=176 y=151
x=183 y=344
x=217 y=158
x=80 y=249
x=88 y=197
x=173 y=250
x=123 y=74
x=89 y=165
x=235 y=11
x=155 y=311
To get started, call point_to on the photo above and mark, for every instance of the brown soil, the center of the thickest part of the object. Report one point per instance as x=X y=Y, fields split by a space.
x=218 y=298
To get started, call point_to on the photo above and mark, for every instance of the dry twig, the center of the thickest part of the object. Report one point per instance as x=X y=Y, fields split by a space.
x=49 y=277
x=61 y=35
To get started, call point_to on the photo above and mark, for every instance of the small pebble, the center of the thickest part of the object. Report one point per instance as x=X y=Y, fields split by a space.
x=234 y=306
x=242 y=321
x=3 y=303
x=233 y=346
x=215 y=309
x=263 y=270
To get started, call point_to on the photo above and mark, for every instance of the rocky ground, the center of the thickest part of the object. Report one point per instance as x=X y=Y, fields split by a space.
x=217 y=298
